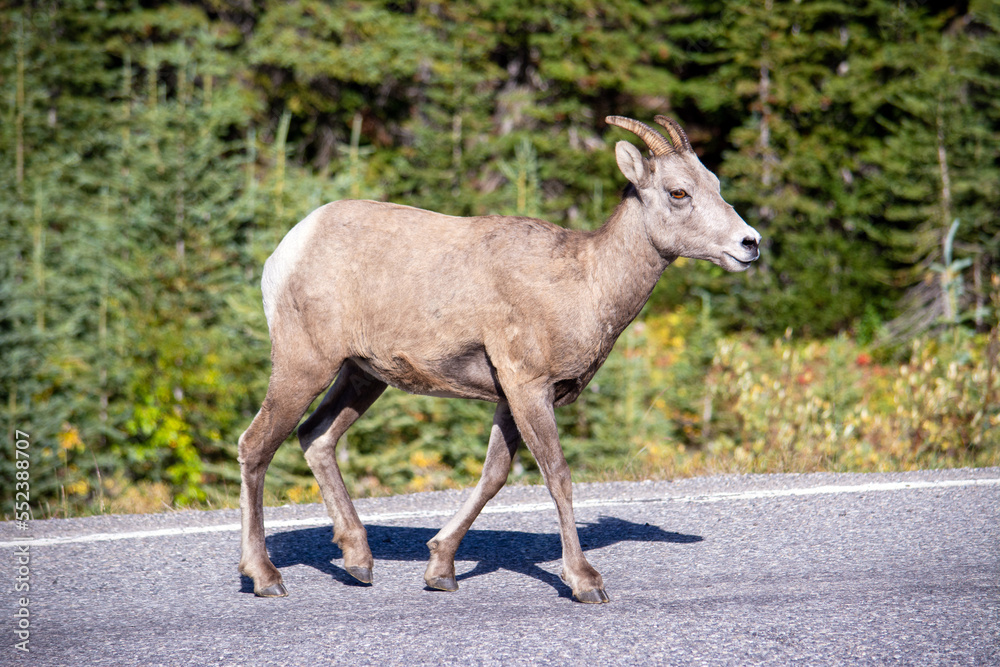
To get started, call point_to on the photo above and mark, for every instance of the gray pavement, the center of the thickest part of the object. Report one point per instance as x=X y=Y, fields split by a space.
x=739 y=570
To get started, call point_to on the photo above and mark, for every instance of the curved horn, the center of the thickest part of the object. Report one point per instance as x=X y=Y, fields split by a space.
x=677 y=134
x=657 y=144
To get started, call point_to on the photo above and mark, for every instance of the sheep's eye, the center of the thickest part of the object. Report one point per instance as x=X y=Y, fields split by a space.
x=678 y=194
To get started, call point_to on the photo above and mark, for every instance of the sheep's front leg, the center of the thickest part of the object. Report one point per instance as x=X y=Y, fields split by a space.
x=504 y=441
x=533 y=412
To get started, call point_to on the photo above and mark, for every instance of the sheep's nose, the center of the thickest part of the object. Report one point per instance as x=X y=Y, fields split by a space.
x=750 y=243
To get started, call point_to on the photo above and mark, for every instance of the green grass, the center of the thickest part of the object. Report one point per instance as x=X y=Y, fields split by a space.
x=675 y=400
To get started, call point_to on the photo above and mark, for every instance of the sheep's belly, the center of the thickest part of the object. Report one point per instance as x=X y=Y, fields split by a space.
x=469 y=375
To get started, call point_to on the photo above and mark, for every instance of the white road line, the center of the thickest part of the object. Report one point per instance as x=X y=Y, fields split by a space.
x=762 y=494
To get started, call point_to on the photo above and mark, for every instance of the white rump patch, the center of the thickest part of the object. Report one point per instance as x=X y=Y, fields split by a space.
x=283 y=261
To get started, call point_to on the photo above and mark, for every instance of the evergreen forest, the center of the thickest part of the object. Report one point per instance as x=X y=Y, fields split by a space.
x=153 y=154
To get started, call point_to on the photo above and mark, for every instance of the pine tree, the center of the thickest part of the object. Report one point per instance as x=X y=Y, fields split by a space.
x=939 y=161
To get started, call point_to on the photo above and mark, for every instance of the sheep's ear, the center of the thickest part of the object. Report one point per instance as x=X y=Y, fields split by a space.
x=631 y=163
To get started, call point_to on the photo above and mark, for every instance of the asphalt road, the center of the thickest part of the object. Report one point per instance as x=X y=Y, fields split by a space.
x=778 y=569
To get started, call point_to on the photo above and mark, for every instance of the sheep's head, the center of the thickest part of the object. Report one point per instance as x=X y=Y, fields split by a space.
x=686 y=215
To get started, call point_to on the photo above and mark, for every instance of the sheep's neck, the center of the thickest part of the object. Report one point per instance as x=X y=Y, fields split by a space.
x=625 y=267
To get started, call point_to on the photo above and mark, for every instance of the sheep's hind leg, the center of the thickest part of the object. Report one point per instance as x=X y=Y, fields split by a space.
x=504 y=441
x=353 y=392
x=288 y=397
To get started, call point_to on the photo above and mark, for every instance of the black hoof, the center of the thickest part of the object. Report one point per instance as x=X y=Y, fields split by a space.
x=275 y=591
x=443 y=584
x=595 y=596
x=362 y=574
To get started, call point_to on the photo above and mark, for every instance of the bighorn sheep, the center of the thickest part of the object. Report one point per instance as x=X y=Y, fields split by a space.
x=511 y=310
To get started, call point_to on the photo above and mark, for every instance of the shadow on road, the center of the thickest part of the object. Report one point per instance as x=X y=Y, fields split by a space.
x=491 y=550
